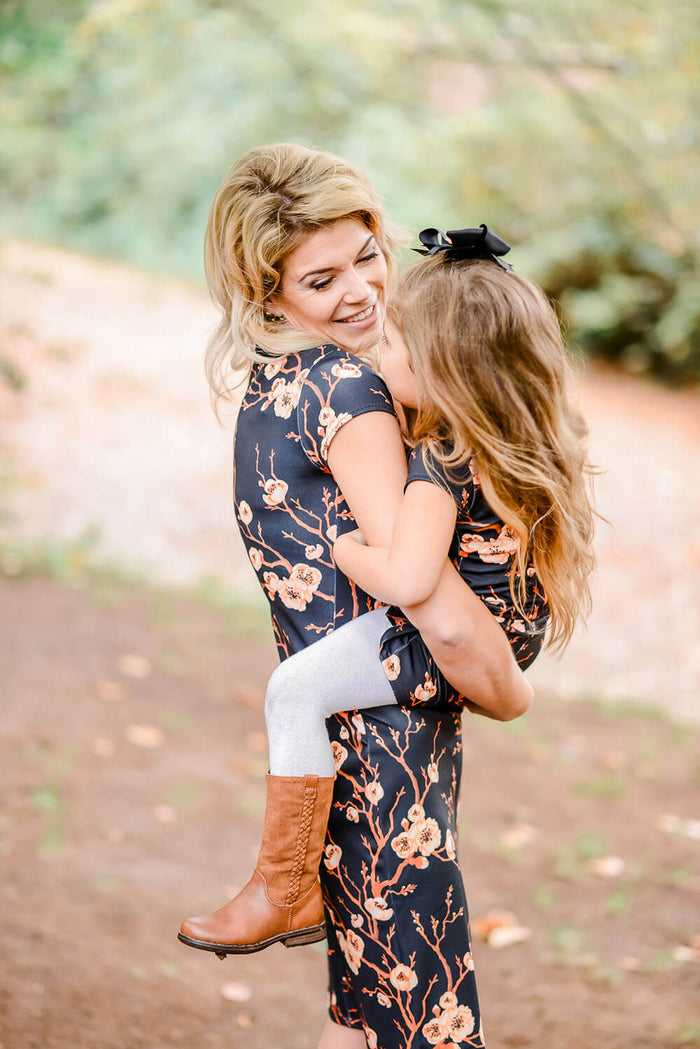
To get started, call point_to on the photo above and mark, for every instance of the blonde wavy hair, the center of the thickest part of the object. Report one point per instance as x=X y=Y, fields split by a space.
x=487 y=352
x=268 y=202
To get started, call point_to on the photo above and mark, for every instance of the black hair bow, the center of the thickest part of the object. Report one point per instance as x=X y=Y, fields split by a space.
x=479 y=243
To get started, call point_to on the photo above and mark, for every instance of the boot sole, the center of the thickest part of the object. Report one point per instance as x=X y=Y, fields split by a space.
x=290 y=939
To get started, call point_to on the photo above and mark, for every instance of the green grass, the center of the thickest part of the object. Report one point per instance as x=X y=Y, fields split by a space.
x=688 y=1033
x=545 y=897
x=608 y=785
x=77 y=563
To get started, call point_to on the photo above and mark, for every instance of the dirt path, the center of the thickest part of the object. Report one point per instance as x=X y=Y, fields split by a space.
x=133 y=760
x=113 y=433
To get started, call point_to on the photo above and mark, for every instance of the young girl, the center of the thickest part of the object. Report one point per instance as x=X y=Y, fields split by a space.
x=497 y=484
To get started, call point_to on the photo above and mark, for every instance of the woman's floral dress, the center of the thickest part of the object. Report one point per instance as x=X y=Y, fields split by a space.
x=399 y=954
x=483 y=551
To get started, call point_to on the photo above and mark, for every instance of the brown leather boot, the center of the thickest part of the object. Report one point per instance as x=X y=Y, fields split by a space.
x=282 y=900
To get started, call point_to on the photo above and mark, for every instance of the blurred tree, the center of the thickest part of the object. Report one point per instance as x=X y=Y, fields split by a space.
x=567 y=127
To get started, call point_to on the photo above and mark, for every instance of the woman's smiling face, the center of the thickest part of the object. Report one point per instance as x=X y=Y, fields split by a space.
x=334 y=286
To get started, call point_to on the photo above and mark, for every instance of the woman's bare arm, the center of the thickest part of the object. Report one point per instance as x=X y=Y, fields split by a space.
x=466 y=642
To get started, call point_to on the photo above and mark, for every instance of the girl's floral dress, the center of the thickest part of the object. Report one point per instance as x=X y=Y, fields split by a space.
x=400 y=963
x=483 y=551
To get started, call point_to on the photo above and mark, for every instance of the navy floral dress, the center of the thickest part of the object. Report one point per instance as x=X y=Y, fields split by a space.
x=400 y=963
x=483 y=551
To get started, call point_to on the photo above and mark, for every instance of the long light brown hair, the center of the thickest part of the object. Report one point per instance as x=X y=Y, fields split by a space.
x=491 y=368
x=268 y=202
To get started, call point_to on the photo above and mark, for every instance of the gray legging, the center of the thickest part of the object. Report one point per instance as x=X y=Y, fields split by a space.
x=342 y=671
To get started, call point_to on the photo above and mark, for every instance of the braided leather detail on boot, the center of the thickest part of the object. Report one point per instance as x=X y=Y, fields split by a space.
x=302 y=843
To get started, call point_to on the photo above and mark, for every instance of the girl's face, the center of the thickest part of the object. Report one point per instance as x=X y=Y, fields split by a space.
x=396 y=367
x=334 y=286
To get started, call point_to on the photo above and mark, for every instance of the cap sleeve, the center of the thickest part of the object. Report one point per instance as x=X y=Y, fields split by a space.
x=422 y=466
x=337 y=389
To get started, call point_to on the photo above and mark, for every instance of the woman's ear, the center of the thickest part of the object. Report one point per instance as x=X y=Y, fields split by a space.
x=273 y=309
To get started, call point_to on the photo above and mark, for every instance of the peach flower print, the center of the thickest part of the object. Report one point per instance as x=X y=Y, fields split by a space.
x=272 y=368
x=271 y=583
x=496 y=551
x=275 y=491
x=415 y=813
x=332 y=855
x=433 y=774
x=458 y=1023
x=448 y=1000
x=344 y=734
x=312 y=553
x=379 y=909
x=256 y=558
x=357 y=921
x=244 y=512
x=370 y=1038
x=353 y=947
x=403 y=978
x=359 y=724
x=426 y=691
x=403 y=845
x=374 y=791
x=286 y=394
x=433 y=1031
x=339 y=753
x=296 y=591
x=427 y=836
x=352 y=814
x=392 y=667
x=383 y=999
x=332 y=533
x=332 y=429
x=346 y=370
x=450 y=845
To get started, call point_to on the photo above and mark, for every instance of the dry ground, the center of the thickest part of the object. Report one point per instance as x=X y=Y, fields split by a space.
x=133 y=758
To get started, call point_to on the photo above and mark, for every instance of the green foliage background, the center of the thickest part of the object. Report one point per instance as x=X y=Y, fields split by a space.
x=568 y=127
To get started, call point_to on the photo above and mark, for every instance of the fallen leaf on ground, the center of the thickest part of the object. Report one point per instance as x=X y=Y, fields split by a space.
x=499 y=929
x=256 y=741
x=517 y=835
x=506 y=936
x=614 y=760
x=673 y=824
x=236 y=992
x=250 y=697
x=110 y=691
x=165 y=813
x=147 y=736
x=134 y=666
x=607 y=866
x=103 y=746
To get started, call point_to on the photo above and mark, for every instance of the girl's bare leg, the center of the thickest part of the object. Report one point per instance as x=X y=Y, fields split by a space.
x=334 y=1036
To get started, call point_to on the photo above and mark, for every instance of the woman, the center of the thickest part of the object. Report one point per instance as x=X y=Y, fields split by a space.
x=297 y=256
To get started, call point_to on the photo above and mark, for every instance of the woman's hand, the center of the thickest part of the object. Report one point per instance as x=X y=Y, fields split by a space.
x=471 y=649
x=355 y=536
